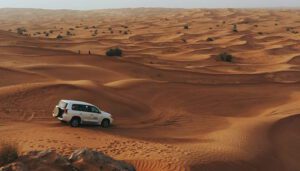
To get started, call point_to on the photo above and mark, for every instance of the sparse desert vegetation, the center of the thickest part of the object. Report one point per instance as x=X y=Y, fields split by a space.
x=9 y=152
x=209 y=39
x=21 y=30
x=234 y=28
x=59 y=37
x=225 y=57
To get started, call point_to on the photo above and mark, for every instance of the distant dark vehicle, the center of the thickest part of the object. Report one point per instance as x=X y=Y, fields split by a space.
x=114 y=52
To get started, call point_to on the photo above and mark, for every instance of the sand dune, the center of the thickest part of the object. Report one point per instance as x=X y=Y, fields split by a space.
x=176 y=106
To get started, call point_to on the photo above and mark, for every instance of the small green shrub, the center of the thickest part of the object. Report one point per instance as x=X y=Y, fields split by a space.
x=9 y=152
x=114 y=52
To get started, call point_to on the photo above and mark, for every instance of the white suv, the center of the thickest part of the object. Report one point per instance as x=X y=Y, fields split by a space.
x=77 y=113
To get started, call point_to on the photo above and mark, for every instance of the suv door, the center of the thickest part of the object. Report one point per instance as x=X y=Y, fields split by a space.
x=94 y=114
x=80 y=110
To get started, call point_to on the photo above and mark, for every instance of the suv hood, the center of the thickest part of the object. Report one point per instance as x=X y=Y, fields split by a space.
x=106 y=114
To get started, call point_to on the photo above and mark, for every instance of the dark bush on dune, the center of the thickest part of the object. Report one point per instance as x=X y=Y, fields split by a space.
x=21 y=30
x=209 y=39
x=114 y=52
x=186 y=26
x=69 y=33
x=234 y=28
x=59 y=37
x=225 y=57
x=9 y=152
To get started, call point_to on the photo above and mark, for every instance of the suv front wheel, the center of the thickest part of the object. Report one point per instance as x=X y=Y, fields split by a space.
x=105 y=123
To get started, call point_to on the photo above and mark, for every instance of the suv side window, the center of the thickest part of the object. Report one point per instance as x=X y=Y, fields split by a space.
x=93 y=109
x=78 y=107
x=85 y=108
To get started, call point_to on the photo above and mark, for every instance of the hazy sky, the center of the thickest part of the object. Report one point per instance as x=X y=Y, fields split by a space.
x=98 y=4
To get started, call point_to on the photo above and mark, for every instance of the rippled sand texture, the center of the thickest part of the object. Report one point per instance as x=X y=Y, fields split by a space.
x=176 y=107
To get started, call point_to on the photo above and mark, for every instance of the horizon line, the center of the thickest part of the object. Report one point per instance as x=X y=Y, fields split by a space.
x=186 y=8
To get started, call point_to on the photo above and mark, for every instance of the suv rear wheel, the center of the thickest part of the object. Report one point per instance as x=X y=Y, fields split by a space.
x=75 y=122
x=105 y=123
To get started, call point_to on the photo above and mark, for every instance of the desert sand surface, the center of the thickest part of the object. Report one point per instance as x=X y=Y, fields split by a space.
x=175 y=106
